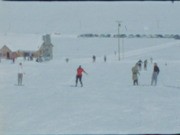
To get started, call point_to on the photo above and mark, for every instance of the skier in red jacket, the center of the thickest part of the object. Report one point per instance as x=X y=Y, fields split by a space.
x=80 y=70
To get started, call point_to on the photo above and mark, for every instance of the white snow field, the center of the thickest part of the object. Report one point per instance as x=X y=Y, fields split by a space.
x=108 y=103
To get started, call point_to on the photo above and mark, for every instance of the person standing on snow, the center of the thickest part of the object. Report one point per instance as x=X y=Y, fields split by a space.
x=135 y=72
x=94 y=58
x=105 y=58
x=20 y=74
x=145 y=64
x=139 y=64
x=80 y=70
x=155 y=74
x=151 y=59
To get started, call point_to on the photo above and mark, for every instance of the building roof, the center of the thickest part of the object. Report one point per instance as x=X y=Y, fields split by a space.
x=5 y=49
x=16 y=42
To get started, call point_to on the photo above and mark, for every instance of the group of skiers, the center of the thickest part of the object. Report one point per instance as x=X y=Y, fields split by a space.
x=140 y=62
x=135 y=72
x=94 y=58
x=80 y=71
x=137 y=67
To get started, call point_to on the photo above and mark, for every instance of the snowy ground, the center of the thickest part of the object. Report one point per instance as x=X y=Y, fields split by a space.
x=108 y=102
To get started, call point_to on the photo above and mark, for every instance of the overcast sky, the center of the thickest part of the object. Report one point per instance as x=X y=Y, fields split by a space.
x=89 y=17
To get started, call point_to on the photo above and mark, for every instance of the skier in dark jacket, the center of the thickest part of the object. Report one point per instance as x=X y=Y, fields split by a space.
x=155 y=74
x=94 y=58
x=80 y=70
x=105 y=58
x=145 y=64
x=139 y=64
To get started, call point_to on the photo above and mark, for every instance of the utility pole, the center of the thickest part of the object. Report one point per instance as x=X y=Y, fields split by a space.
x=119 y=25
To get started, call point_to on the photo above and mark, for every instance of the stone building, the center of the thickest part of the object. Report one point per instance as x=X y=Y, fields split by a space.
x=46 y=49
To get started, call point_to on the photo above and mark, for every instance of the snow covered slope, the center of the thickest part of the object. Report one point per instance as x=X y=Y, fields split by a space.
x=48 y=103
x=108 y=102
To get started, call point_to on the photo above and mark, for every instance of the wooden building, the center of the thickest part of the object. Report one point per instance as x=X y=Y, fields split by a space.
x=5 y=52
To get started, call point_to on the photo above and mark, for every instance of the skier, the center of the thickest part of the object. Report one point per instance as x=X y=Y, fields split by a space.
x=151 y=59
x=105 y=58
x=155 y=74
x=94 y=58
x=145 y=64
x=135 y=72
x=139 y=64
x=80 y=70
x=67 y=60
x=20 y=74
